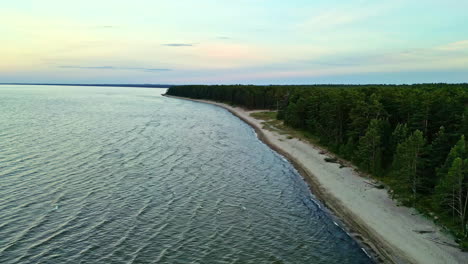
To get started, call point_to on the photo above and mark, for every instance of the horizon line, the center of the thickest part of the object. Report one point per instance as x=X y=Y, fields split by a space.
x=162 y=85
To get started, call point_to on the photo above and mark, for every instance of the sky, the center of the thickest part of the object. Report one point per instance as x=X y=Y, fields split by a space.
x=234 y=42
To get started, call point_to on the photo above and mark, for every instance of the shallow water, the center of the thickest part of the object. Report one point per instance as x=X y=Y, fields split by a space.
x=124 y=175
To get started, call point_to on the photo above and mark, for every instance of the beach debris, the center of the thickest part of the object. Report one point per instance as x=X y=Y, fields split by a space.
x=442 y=242
x=423 y=231
x=376 y=184
x=331 y=160
x=322 y=152
x=342 y=166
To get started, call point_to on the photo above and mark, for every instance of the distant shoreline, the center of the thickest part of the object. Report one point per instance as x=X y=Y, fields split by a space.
x=373 y=218
x=98 y=85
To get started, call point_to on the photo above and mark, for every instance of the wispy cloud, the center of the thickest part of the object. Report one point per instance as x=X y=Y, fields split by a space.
x=455 y=46
x=179 y=45
x=332 y=63
x=105 y=27
x=345 y=15
x=114 y=68
x=222 y=37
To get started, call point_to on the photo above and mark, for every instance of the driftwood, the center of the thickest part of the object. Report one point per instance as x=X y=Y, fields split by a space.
x=331 y=160
x=442 y=242
x=423 y=231
x=376 y=185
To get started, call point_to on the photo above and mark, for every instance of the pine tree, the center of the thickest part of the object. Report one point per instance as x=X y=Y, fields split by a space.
x=347 y=150
x=399 y=135
x=459 y=150
x=369 y=148
x=437 y=153
x=439 y=147
x=407 y=163
x=452 y=192
x=364 y=111
x=464 y=122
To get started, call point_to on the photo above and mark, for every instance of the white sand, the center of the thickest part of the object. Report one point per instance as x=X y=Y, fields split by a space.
x=368 y=211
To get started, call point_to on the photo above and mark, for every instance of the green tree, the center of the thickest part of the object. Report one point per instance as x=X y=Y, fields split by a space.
x=364 y=111
x=464 y=122
x=436 y=155
x=452 y=192
x=459 y=150
x=369 y=148
x=399 y=135
x=407 y=163
x=347 y=150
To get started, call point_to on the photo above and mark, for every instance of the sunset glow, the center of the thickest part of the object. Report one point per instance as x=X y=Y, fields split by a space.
x=242 y=41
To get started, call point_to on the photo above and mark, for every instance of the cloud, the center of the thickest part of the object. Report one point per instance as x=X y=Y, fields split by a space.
x=224 y=55
x=345 y=15
x=333 y=62
x=222 y=37
x=455 y=46
x=105 y=27
x=178 y=45
x=114 y=68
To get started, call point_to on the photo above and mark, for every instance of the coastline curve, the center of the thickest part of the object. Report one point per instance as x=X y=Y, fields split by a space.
x=380 y=252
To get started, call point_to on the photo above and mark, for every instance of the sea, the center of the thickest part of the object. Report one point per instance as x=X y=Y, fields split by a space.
x=126 y=175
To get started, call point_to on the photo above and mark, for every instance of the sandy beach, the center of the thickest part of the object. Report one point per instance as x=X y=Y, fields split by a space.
x=396 y=234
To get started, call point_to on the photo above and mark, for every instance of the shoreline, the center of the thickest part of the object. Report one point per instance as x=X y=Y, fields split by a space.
x=373 y=219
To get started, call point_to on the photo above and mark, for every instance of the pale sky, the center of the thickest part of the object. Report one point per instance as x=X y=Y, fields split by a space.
x=235 y=41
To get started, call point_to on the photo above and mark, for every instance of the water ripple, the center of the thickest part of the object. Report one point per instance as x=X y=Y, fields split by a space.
x=116 y=175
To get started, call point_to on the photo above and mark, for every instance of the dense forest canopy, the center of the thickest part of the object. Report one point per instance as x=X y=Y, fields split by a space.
x=411 y=136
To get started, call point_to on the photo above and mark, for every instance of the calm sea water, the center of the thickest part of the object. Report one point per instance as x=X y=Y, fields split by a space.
x=124 y=175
